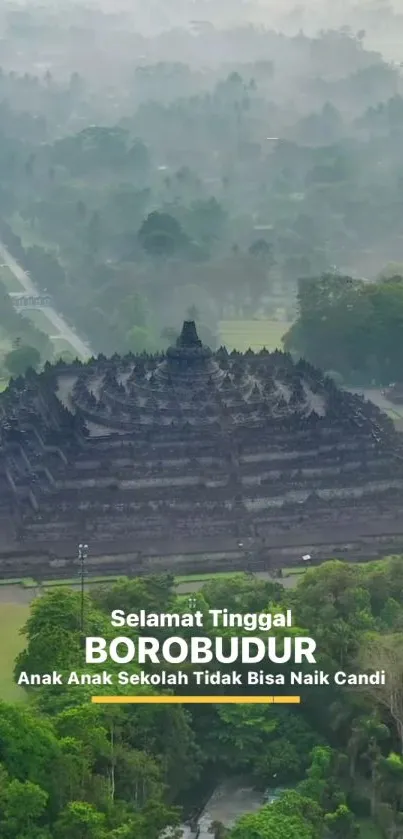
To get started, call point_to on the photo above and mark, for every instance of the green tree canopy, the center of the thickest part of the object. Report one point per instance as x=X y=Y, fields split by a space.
x=18 y=361
x=351 y=327
x=161 y=234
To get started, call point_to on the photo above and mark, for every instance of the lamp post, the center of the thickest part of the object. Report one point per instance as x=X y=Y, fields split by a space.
x=82 y=555
x=248 y=557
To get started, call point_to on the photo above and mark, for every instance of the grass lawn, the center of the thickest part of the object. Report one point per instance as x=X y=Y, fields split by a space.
x=76 y=582
x=6 y=343
x=179 y=580
x=395 y=413
x=40 y=320
x=201 y=578
x=61 y=346
x=5 y=346
x=292 y=572
x=9 y=280
x=369 y=830
x=254 y=334
x=12 y=618
x=184 y=578
x=187 y=578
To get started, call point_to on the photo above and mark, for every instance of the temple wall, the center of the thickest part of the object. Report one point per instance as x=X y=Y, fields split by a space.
x=297 y=480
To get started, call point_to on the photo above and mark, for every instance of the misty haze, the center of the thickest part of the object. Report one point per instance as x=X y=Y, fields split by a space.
x=201 y=412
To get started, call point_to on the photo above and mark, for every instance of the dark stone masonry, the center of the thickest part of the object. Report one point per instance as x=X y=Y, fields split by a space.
x=192 y=461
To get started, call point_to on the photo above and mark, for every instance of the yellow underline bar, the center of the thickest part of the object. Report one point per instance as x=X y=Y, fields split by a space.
x=196 y=700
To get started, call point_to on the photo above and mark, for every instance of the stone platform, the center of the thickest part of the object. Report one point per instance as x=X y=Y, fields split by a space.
x=191 y=461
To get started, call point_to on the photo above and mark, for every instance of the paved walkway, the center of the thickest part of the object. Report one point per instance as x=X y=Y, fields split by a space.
x=17 y=594
x=375 y=395
x=82 y=348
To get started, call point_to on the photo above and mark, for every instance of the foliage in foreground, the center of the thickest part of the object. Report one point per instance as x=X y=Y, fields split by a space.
x=93 y=771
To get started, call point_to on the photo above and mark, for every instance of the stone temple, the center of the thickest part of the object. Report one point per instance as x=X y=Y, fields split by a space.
x=192 y=460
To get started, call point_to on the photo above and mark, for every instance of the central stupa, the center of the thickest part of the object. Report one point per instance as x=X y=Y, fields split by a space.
x=189 y=361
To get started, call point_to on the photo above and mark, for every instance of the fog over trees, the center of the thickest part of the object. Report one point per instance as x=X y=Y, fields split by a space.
x=206 y=161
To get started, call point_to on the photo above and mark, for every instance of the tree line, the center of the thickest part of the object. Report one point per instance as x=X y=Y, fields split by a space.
x=351 y=327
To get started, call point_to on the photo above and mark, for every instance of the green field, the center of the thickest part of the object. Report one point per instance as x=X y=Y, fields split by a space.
x=62 y=346
x=110 y=578
x=5 y=347
x=39 y=319
x=369 y=830
x=9 y=280
x=12 y=618
x=179 y=580
x=254 y=334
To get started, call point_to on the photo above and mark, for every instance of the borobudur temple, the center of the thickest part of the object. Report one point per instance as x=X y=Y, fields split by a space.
x=192 y=460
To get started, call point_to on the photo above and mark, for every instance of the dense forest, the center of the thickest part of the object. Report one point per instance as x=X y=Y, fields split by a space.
x=217 y=189
x=71 y=769
x=351 y=328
